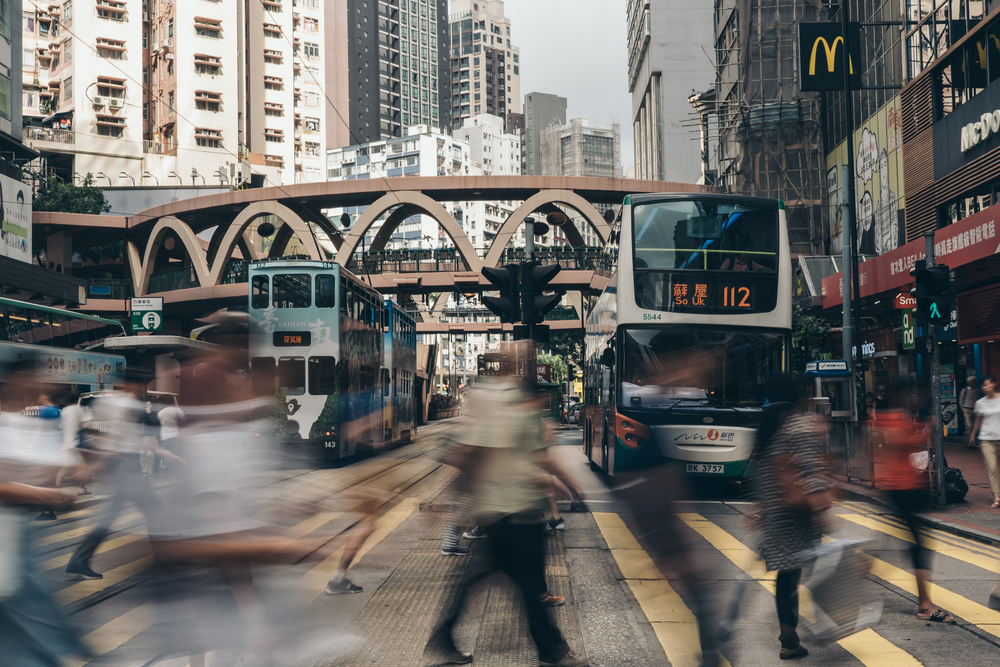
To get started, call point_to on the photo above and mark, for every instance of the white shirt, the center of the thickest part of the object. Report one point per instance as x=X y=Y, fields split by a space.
x=989 y=410
x=170 y=418
x=70 y=422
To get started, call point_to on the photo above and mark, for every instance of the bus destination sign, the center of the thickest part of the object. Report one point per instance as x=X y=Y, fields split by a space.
x=292 y=339
x=693 y=295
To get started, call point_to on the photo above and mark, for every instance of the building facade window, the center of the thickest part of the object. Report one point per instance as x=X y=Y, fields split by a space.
x=210 y=28
x=111 y=10
x=205 y=64
x=207 y=101
x=311 y=50
x=112 y=49
x=274 y=83
x=207 y=138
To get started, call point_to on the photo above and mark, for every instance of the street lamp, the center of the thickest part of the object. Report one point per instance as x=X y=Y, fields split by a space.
x=124 y=175
x=146 y=174
x=100 y=174
x=173 y=174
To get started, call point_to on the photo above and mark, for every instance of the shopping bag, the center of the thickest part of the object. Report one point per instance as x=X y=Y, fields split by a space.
x=836 y=578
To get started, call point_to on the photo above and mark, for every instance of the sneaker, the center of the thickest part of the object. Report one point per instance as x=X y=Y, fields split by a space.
x=85 y=492
x=551 y=599
x=475 y=533
x=568 y=660
x=455 y=657
x=790 y=653
x=342 y=586
x=47 y=515
x=82 y=573
x=454 y=551
x=556 y=524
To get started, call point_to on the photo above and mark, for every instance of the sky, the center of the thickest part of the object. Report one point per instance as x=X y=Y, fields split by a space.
x=576 y=49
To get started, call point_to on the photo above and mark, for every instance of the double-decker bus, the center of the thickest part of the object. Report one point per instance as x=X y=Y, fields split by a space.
x=695 y=316
x=318 y=345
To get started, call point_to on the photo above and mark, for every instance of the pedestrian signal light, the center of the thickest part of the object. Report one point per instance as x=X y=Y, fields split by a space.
x=933 y=294
x=507 y=305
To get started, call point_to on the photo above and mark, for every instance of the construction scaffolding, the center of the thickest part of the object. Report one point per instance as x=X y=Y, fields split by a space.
x=761 y=135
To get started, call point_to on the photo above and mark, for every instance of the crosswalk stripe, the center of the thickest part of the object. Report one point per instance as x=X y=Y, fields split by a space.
x=63 y=561
x=314 y=581
x=75 y=533
x=979 y=560
x=867 y=646
x=111 y=577
x=115 y=633
x=673 y=622
x=938 y=534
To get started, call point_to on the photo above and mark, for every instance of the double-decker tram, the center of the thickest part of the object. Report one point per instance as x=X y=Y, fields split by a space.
x=336 y=356
x=695 y=316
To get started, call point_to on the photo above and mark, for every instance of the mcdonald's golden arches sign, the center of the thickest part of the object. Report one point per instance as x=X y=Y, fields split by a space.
x=821 y=56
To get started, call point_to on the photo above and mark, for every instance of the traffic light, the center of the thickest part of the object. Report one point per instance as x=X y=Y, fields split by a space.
x=933 y=295
x=506 y=306
x=534 y=279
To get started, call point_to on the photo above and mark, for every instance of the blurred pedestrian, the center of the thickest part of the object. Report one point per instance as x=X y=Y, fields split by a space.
x=987 y=427
x=171 y=421
x=500 y=452
x=967 y=401
x=47 y=422
x=70 y=421
x=120 y=447
x=150 y=440
x=794 y=489
x=906 y=485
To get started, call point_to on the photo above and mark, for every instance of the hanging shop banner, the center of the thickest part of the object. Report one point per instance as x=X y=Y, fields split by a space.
x=821 y=55
x=15 y=223
x=965 y=241
x=836 y=167
x=909 y=330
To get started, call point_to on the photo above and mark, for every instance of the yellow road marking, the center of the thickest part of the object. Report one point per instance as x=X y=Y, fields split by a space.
x=938 y=534
x=115 y=633
x=979 y=560
x=673 y=622
x=867 y=646
x=62 y=561
x=111 y=577
x=314 y=581
x=83 y=530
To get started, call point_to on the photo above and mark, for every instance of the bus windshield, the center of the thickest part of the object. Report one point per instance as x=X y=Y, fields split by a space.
x=688 y=368
x=705 y=235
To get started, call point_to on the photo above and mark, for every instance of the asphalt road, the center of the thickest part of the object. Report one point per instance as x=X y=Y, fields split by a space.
x=621 y=610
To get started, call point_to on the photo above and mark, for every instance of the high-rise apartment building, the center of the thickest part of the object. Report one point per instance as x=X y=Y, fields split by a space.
x=395 y=53
x=541 y=111
x=486 y=67
x=665 y=64
x=495 y=152
x=166 y=91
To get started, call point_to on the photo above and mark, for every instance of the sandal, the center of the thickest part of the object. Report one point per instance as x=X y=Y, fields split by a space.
x=996 y=504
x=937 y=617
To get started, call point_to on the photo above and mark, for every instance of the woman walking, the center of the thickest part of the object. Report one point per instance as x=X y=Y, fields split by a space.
x=988 y=428
x=794 y=488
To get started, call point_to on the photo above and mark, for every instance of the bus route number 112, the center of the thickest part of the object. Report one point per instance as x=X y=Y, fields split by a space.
x=736 y=297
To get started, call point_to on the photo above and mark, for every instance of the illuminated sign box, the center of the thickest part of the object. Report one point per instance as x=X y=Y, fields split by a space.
x=292 y=339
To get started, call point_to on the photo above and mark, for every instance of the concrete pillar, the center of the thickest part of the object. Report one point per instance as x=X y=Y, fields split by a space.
x=59 y=252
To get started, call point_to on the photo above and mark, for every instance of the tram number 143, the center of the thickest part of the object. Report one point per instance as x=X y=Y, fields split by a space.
x=705 y=467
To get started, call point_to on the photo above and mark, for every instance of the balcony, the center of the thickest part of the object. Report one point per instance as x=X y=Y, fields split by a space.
x=50 y=136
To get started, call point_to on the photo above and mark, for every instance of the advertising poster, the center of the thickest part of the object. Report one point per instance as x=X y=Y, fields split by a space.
x=949 y=416
x=835 y=196
x=878 y=182
x=15 y=228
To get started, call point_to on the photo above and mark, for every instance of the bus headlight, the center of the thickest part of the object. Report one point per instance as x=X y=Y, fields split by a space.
x=632 y=434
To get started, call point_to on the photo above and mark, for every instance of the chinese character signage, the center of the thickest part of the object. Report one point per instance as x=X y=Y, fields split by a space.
x=691 y=295
x=147 y=314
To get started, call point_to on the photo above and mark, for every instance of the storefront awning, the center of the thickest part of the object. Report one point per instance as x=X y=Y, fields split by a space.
x=963 y=242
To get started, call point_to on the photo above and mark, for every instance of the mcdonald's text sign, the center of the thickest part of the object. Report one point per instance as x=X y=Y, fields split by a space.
x=821 y=56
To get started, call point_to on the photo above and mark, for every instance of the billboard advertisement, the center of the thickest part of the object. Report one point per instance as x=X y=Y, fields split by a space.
x=15 y=228
x=878 y=183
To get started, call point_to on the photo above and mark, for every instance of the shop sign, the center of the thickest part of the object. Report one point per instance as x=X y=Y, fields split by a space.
x=821 y=52
x=966 y=241
x=909 y=331
x=980 y=130
x=905 y=301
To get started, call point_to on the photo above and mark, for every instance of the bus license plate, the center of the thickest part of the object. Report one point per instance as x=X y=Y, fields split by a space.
x=706 y=467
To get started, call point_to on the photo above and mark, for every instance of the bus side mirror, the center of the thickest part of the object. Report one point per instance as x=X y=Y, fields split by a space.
x=608 y=357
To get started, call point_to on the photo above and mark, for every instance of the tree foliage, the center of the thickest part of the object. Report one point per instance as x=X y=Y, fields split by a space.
x=809 y=334
x=557 y=363
x=68 y=198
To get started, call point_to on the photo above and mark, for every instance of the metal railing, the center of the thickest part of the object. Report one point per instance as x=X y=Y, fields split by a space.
x=168 y=281
x=851 y=446
x=49 y=135
x=101 y=288
x=449 y=259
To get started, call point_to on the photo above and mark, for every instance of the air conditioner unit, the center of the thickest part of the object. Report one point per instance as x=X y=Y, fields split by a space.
x=98 y=101
x=166 y=44
x=156 y=49
x=169 y=56
x=115 y=103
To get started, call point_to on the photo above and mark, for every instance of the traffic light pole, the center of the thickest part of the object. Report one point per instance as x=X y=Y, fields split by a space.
x=935 y=416
x=531 y=356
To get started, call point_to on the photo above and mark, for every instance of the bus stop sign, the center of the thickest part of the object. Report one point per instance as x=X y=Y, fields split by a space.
x=147 y=314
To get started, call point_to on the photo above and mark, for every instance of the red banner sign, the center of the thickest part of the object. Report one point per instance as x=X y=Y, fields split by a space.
x=905 y=301
x=965 y=241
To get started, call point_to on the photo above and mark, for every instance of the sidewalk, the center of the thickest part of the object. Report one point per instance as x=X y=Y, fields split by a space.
x=973 y=518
